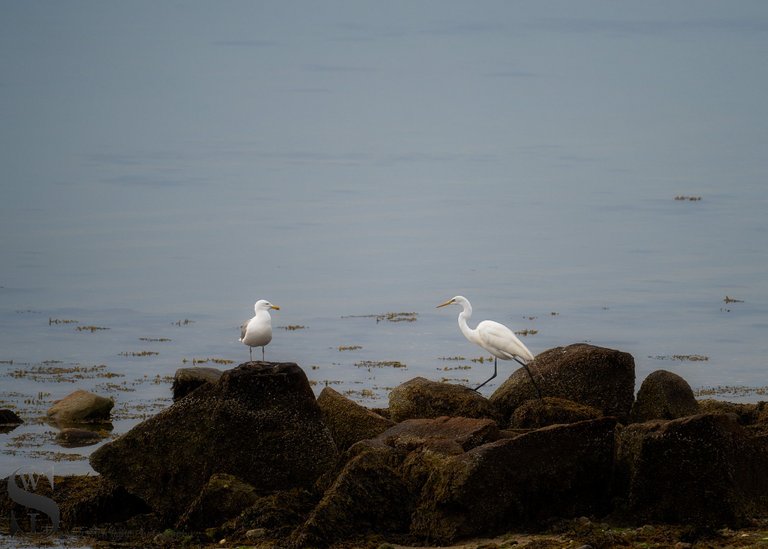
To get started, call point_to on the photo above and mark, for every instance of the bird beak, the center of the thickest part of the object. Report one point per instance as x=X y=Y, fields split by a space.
x=275 y=307
x=449 y=302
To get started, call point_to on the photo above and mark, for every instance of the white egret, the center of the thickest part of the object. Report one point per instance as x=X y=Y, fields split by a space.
x=495 y=338
x=257 y=332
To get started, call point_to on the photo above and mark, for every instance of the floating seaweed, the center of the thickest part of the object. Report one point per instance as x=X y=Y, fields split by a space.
x=682 y=358
x=91 y=329
x=380 y=364
x=196 y=361
x=292 y=327
x=349 y=347
x=688 y=198
x=155 y=339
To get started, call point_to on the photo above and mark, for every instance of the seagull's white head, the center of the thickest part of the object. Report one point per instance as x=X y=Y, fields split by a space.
x=264 y=305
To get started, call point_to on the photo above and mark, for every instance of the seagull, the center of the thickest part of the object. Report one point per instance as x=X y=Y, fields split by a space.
x=495 y=338
x=257 y=332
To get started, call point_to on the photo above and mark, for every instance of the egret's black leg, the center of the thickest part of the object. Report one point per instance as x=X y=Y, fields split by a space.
x=490 y=378
x=524 y=365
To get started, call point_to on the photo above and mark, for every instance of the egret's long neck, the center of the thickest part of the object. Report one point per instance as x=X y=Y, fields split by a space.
x=465 y=315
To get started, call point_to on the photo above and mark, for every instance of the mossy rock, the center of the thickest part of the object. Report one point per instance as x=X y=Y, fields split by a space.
x=534 y=414
x=421 y=398
x=664 y=395
x=348 y=421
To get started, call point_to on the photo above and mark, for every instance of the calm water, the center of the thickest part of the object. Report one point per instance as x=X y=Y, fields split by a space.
x=161 y=169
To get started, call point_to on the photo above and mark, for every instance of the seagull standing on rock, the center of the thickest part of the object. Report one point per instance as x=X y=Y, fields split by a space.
x=257 y=332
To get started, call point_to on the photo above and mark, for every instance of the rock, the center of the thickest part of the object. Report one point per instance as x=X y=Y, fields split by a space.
x=369 y=495
x=9 y=417
x=557 y=471
x=9 y=421
x=534 y=414
x=81 y=407
x=277 y=514
x=422 y=398
x=222 y=498
x=186 y=380
x=745 y=414
x=347 y=421
x=450 y=435
x=72 y=437
x=596 y=376
x=664 y=395
x=260 y=422
x=702 y=470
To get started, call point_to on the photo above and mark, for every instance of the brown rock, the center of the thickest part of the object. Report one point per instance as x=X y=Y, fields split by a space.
x=664 y=395
x=186 y=380
x=81 y=407
x=347 y=421
x=557 y=471
x=702 y=470
x=596 y=376
x=422 y=398
x=446 y=434
x=222 y=498
x=534 y=414
x=260 y=422
x=369 y=495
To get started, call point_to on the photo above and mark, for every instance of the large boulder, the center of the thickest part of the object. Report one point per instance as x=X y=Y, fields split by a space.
x=347 y=421
x=557 y=471
x=702 y=470
x=664 y=395
x=422 y=398
x=599 y=377
x=81 y=407
x=260 y=422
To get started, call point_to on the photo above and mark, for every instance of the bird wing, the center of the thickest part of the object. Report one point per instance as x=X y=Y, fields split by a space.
x=243 y=328
x=497 y=338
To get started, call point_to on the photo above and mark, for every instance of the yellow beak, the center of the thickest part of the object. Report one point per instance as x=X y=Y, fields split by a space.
x=275 y=307
x=449 y=302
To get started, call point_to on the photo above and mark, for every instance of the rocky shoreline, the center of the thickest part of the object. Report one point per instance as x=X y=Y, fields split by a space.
x=250 y=457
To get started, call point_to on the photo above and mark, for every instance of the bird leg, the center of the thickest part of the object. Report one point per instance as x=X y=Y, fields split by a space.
x=490 y=378
x=262 y=353
x=250 y=352
x=535 y=386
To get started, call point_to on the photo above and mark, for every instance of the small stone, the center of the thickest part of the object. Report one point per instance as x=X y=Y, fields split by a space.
x=9 y=417
x=81 y=407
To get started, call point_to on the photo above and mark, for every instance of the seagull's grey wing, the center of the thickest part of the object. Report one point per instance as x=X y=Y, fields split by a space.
x=243 y=328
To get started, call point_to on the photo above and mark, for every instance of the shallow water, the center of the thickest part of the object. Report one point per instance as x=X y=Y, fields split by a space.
x=320 y=174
